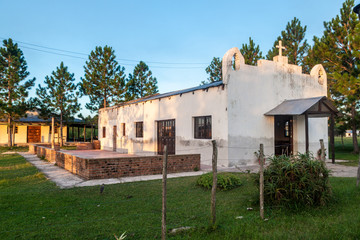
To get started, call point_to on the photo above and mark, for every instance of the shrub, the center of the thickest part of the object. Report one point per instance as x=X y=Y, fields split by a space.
x=296 y=180
x=225 y=181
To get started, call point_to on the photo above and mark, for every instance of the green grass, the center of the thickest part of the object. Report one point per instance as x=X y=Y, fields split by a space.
x=68 y=147
x=32 y=207
x=14 y=149
x=345 y=152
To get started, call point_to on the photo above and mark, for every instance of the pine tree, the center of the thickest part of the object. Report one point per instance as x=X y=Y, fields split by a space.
x=338 y=50
x=13 y=86
x=104 y=80
x=214 y=70
x=251 y=52
x=60 y=95
x=141 y=83
x=293 y=38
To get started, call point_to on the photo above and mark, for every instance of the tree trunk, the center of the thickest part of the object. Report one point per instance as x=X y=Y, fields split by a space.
x=9 y=132
x=61 y=129
x=53 y=133
x=342 y=140
x=354 y=134
x=13 y=133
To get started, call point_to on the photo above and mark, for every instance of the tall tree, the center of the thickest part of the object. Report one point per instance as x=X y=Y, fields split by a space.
x=214 y=70
x=251 y=52
x=338 y=50
x=13 y=86
x=104 y=80
x=141 y=83
x=293 y=38
x=60 y=95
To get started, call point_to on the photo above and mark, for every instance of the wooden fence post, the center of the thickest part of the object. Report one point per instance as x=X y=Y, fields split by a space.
x=261 y=181
x=322 y=154
x=214 y=184
x=163 y=225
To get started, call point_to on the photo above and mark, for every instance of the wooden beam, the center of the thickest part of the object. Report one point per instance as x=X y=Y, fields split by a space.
x=332 y=137
x=307 y=132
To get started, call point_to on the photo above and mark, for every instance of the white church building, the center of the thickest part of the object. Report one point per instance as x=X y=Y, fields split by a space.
x=272 y=103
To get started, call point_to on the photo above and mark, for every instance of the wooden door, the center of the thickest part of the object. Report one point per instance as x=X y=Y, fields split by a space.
x=114 y=138
x=34 y=134
x=166 y=136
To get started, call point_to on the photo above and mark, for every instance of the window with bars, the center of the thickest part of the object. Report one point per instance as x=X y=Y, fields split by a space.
x=139 y=129
x=123 y=129
x=56 y=130
x=104 y=132
x=202 y=127
x=16 y=130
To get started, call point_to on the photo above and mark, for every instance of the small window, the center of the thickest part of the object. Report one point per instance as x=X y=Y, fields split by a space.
x=123 y=129
x=104 y=132
x=139 y=129
x=16 y=130
x=202 y=127
x=56 y=130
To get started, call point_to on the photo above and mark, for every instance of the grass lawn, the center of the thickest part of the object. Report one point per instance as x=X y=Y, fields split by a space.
x=14 y=149
x=345 y=152
x=32 y=207
x=68 y=147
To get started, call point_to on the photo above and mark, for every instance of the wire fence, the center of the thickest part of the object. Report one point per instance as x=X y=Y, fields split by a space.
x=94 y=205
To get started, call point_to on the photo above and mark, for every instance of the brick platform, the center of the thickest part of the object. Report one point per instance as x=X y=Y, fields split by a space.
x=92 y=168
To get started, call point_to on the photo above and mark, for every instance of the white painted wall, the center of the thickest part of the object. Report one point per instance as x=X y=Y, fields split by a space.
x=181 y=108
x=255 y=90
x=237 y=109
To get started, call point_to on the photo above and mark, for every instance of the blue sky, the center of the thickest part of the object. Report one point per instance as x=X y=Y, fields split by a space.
x=177 y=39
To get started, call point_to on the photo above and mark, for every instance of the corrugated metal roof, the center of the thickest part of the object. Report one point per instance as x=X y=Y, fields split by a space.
x=300 y=106
x=36 y=119
x=169 y=94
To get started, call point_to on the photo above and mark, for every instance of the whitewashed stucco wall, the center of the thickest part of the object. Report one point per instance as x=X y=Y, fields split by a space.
x=237 y=110
x=183 y=108
x=255 y=90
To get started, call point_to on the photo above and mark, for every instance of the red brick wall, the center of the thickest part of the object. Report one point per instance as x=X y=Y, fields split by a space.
x=124 y=167
x=46 y=152
x=73 y=164
x=84 y=146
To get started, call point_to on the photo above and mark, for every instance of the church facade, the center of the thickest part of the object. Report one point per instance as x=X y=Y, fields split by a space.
x=272 y=103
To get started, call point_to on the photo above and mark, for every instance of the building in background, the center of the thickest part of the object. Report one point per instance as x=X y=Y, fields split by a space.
x=33 y=129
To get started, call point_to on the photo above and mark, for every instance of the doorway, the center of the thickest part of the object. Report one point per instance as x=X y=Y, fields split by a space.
x=283 y=133
x=34 y=134
x=166 y=136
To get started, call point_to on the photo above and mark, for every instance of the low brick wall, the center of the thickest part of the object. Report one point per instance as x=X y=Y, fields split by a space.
x=34 y=146
x=45 y=151
x=73 y=164
x=84 y=146
x=127 y=166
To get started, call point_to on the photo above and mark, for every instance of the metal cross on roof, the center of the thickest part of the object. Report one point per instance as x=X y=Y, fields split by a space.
x=280 y=47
